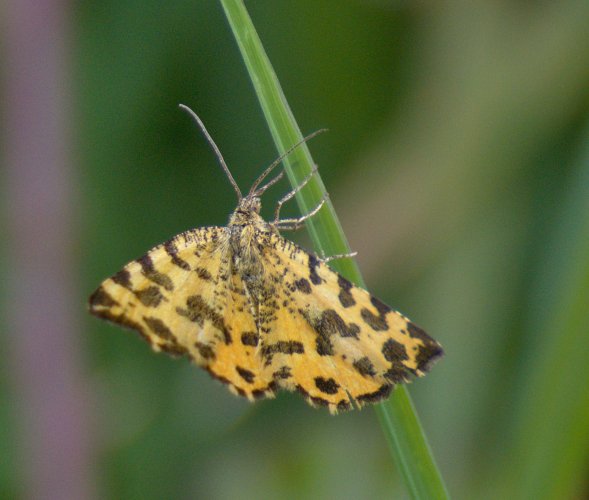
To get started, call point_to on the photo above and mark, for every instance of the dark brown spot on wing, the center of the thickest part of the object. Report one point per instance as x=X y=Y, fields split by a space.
x=377 y=323
x=246 y=375
x=394 y=351
x=102 y=298
x=303 y=286
x=174 y=349
x=282 y=373
x=172 y=251
x=311 y=399
x=261 y=393
x=323 y=346
x=380 y=306
x=197 y=310
x=206 y=351
x=258 y=393
x=250 y=338
x=428 y=355
x=430 y=352
x=331 y=322
x=376 y=396
x=123 y=278
x=328 y=386
x=150 y=296
x=344 y=405
x=313 y=265
x=319 y=401
x=345 y=295
x=170 y=343
x=364 y=367
x=159 y=328
x=417 y=333
x=149 y=271
x=203 y=274
x=327 y=324
x=282 y=347
x=398 y=373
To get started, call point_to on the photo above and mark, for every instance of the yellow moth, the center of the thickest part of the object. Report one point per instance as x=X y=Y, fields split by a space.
x=261 y=314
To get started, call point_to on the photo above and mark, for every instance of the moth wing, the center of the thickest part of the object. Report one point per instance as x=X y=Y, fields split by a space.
x=182 y=298
x=331 y=340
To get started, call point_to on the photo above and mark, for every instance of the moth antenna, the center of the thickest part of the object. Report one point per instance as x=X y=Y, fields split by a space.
x=269 y=184
x=276 y=162
x=215 y=149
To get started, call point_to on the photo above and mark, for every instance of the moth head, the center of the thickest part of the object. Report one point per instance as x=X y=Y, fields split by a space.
x=247 y=212
x=250 y=204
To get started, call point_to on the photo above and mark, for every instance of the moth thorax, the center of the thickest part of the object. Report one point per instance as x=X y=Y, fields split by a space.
x=246 y=253
x=242 y=237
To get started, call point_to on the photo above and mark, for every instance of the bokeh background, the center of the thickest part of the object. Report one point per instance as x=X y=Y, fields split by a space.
x=458 y=162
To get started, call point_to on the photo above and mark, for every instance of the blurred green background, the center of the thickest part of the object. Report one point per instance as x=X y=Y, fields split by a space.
x=458 y=162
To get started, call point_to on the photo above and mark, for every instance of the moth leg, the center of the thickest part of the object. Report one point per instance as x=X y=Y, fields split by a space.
x=294 y=224
x=291 y=194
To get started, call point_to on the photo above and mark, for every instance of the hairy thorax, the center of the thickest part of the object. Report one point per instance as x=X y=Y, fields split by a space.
x=246 y=237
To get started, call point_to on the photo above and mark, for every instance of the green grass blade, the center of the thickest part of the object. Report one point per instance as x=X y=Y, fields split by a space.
x=399 y=422
x=549 y=455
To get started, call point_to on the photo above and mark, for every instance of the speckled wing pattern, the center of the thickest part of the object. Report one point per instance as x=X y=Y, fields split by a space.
x=183 y=299
x=301 y=326
x=331 y=340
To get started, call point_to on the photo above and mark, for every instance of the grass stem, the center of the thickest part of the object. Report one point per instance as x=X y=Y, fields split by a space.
x=397 y=416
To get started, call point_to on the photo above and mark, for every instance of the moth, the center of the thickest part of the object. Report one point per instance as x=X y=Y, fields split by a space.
x=260 y=314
